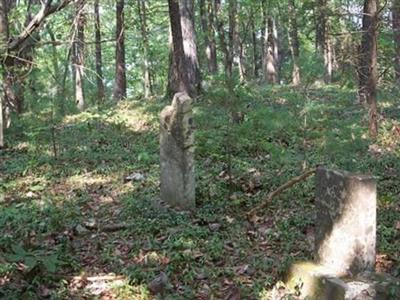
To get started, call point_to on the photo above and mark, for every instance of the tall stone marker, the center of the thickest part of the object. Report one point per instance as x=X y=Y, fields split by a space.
x=346 y=222
x=177 y=153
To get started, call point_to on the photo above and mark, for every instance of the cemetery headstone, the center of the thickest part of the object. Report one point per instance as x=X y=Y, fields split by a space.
x=177 y=153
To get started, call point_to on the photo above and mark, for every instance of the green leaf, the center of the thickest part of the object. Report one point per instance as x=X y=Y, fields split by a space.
x=17 y=249
x=30 y=261
x=50 y=263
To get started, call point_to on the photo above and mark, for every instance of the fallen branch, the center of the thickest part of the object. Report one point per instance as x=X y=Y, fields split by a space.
x=107 y=228
x=279 y=190
x=99 y=278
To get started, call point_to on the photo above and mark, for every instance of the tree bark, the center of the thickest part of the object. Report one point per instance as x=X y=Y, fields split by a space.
x=271 y=53
x=323 y=43
x=145 y=48
x=189 y=60
x=294 y=43
x=3 y=53
x=120 y=67
x=228 y=60
x=232 y=33
x=99 y=63
x=367 y=71
x=254 y=42
x=178 y=53
x=396 y=38
x=78 y=57
x=207 y=25
x=189 y=44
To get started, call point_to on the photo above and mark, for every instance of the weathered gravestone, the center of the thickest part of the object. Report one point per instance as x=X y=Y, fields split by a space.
x=177 y=153
x=346 y=221
x=344 y=243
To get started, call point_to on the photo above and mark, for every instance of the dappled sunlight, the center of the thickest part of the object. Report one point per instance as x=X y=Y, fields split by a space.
x=130 y=115
x=79 y=181
x=106 y=286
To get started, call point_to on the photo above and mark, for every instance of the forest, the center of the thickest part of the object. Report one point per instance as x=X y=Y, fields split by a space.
x=210 y=149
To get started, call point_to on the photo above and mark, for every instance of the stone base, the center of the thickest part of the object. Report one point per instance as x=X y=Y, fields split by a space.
x=315 y=282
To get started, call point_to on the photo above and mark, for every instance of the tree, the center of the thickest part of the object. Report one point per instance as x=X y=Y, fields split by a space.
x=271 y=52
x=189 y=59
x=120 y=67
x=294 y=42
x=254 y=44
x=78 y=54
x=99 y=63
x=396 y=37
x=142 y=9
x=178 y=69
x=322 y=41
x=367 y=70
x=3 y=49
x=228 y=59
x=207 y=25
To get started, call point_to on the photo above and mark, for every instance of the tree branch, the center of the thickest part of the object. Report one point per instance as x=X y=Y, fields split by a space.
x=279 y=190
x=47 y=9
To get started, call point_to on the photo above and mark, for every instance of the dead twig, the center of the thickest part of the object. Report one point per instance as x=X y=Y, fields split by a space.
x=278 y=191
x=107 y=228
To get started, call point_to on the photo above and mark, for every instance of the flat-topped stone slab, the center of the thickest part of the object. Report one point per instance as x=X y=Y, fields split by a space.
x=346 y=221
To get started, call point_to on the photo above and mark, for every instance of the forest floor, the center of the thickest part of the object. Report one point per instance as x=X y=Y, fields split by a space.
x=73 y=227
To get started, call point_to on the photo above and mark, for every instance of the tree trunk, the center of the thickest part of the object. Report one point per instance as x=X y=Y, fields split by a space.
x=120 y=67
x=99 y=63
x=271 y=53
x=254 y=42
x=323 y=42
x=368 y=72
x=78 y=57
x=178 y=53
x=3 y=43
x=190 y=60
x=207 y=25
x=221 y=35
x=396 y=38
x=232 y=33
x=145 y=48
x=294 y=43
x=213 y=43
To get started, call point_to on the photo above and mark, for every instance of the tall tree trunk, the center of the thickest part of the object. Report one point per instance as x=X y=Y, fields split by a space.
x=178 y=61
x=271 y=53
x=99 y=63
x=7 y=62
x=263 y=33
x=78 y=57
x=207 y=25
x=190 y=59
x=145 y=48
x=294 y=42
x=211 y=35
x=254 y=42
x=221 y=35
x=120 y=67
x=322 y=42
x=396 y=38
x=232 y=33
x=23 y=62
x=368 y=72
x=3 y=44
